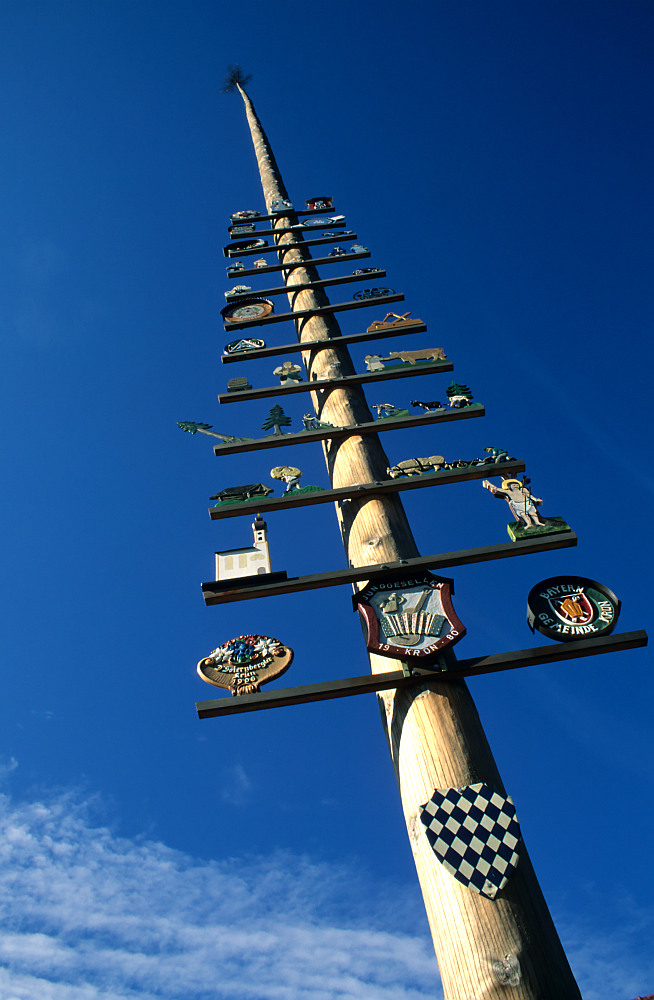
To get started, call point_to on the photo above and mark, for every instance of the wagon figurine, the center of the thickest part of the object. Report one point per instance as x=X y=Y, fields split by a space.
x=240 y=384
x=390 y=321
x=238 y=494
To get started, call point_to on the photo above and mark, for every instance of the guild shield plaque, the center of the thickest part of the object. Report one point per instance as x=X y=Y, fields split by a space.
x=566 y=608
x=474 y=832
x=409 y=616
x=241 y=665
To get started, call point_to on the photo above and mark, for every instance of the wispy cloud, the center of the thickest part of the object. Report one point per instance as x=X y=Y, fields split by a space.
x=88 y=915
x=236 y=786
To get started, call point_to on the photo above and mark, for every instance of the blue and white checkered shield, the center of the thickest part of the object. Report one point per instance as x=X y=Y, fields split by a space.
x=475 y=833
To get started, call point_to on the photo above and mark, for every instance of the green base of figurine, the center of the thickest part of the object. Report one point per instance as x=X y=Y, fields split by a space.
x=398 y=413
x=306 y=489
x=257 y=497
x=552 y=526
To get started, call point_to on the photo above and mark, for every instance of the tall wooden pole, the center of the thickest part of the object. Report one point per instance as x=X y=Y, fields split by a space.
x=434 y=733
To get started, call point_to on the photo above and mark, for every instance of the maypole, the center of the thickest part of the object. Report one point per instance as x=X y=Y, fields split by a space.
x=489 y=942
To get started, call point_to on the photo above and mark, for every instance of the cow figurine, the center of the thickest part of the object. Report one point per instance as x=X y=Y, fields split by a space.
x=433 y=404
x=416 y=466
x=411 y=357
x=242 y=492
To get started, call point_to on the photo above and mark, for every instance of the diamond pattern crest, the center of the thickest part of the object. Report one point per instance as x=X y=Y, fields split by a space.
x=475 y=834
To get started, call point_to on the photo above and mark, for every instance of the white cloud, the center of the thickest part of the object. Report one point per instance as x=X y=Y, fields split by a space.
x=86 y=915
x=236 y=786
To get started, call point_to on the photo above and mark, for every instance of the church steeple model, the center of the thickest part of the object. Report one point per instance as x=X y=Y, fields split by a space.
x=260 y=529
x=255 y=561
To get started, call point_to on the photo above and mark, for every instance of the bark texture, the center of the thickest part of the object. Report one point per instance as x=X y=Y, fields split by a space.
x=434 y=733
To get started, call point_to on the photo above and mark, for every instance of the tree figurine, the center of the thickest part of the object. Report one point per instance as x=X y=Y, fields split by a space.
x=276 y=419
x=458 y=394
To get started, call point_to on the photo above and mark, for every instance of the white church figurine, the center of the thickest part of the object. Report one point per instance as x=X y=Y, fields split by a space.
x=251 y=561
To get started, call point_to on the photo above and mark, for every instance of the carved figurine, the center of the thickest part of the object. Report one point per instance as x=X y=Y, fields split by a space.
x=312 y=423
x=242 y=664
x=386 y=410
x=243 y=230
x=244 y=344
x=387 y=323
x=281 y=205
x=251 y=561
x=238 y=290
x=235 y=267
x=434 y=404
x=238 y=385
x=458 y=394
x=372 y=293
x=248 y=213
x=496 y=455
x=365 y=270
x=356 y=247
x=416 y=466
x=192 y=427
x=262 y=262
x=276 y=419
x=289 y=373
x=374 y=362
x=238 y=494
x=289 y=474
x=413 y=357
x=321 y=204
x=234 y=249
x=520 y=499
x=522 y=504
x=337 y=252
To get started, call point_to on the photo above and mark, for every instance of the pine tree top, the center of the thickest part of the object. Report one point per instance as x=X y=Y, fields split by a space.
x=235 y=76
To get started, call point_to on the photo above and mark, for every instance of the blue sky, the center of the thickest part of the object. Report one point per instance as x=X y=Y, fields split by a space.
x=497 y=160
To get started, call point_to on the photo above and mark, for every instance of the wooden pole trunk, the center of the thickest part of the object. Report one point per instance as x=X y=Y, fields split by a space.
x=434 y=733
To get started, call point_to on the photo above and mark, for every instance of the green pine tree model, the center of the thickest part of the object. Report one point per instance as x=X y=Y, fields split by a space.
x=277 y=419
